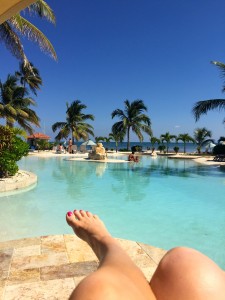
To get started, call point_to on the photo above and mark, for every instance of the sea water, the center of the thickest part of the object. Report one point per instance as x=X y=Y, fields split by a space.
x=158 y=201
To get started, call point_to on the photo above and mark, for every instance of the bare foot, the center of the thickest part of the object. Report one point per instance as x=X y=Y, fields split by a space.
x=91 y=229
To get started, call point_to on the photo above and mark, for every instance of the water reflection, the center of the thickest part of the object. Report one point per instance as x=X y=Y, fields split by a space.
x=129 y=180
x=162 y=166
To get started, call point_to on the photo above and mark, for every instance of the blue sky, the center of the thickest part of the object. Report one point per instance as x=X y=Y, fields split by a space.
x=109 y=51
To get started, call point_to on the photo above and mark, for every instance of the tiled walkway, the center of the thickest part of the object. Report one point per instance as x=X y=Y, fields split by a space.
x=50 y=267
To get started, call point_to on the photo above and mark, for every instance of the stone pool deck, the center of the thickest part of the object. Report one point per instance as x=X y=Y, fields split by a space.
x=50 y=267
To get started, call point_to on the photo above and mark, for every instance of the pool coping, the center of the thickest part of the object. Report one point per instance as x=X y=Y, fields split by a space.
x=21 y=180
x=50 y=267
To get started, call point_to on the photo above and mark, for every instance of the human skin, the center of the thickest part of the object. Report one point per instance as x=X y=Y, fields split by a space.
x=182 y=274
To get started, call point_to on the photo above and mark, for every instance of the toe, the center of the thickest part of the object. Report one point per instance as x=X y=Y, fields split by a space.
x=89 y=214
x=83 y=213
x=70 y=218
x=77 y=214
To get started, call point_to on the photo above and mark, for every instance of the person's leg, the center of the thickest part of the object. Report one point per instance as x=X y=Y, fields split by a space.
x=117 y=276
x=186 y=274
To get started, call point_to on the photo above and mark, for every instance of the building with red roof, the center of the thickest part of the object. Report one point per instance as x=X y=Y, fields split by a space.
x=34 y=138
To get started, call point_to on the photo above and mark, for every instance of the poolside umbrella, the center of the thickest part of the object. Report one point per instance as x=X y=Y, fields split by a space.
x=211 y=145
x=88 y=143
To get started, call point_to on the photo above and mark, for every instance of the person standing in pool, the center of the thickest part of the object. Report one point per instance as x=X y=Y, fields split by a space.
x=70 y=146
x=182 y=274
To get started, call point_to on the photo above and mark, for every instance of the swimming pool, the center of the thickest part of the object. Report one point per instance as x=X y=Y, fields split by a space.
x=161 y=202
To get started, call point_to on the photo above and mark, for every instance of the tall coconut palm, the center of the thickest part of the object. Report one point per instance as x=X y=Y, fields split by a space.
x=203 y=106
x=15 y=107
x=132 y=118
x=29 y=75
x=17 y=26
x=75 y=123
x=167 y=137
x=185 y=138
x=200 y=135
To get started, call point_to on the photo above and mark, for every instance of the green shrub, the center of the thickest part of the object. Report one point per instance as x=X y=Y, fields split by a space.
x=136 y=148
x=162 y=148
x=176 y=149
x=12 y=149
x=219 y=149
x=43 y=145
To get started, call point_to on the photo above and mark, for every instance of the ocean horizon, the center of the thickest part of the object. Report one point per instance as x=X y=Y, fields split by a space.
x=190 y=147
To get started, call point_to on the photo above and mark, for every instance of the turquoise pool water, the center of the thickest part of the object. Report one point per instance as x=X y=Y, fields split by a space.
x=159 y=201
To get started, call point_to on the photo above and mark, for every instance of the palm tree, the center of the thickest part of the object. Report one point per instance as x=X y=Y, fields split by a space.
x=75 y=123
x=107 y=140
x=16 y=26
x=99 y=139
x=132 y=118
x=202 y=107
x=117 y=137
x=29 y=75
x=185 y=138
x=167 y=137
x=200 y=135
x=14 y=107
x=153 y=141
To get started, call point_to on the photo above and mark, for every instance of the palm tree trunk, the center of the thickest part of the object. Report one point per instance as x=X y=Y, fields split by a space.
x=72 y=139
x=24 y=87
x=128 y=138
x=184 y=147
x=116 y=146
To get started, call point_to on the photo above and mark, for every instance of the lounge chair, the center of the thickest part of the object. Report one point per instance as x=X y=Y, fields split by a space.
x=74 y=148
x=219 y=158
x=83 y=149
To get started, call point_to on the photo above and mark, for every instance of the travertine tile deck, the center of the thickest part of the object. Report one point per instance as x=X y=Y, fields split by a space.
x=50 y=267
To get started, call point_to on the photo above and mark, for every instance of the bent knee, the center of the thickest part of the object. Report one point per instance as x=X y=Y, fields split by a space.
x=185 y=255
x=188 y=262
x=176 y=256
x=187 y=271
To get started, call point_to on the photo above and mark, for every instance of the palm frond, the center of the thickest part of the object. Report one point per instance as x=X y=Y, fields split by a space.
x=202 y=107
x=137 y=131
x=43 y=10
x=12 y=41
x=9 y=109
x=118 y=113
x=221 y=67
x=33 y=33
x=22 y=114
x=118 y=127
x=58 y=125
x=25 y=125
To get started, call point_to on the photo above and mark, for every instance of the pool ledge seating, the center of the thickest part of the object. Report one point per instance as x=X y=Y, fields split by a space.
x=49 y=267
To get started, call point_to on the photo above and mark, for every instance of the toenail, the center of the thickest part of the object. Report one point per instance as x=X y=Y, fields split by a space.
x=80 y=210
x=69 y=214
